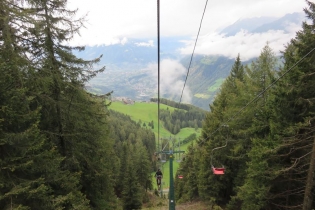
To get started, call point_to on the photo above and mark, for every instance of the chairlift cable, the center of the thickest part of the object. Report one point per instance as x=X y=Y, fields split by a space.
x=257 y=97
x=192 y=55
x=158 y=62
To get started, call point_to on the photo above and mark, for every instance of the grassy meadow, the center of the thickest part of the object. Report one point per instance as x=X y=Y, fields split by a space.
x=144 y=111
x=216 y=86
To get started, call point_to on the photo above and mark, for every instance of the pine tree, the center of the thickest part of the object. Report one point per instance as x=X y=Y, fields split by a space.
x=293 y=122
x=186 y=189
x=61 y=74
x=237 y=73
x=255 y=188
x=30 y=164
x=71 y=118
x=143 y=166
x=131 y=193
x=71 y=124
x=215 y=134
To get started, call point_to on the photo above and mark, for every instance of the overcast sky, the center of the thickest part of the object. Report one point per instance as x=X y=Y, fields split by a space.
x=116 y=21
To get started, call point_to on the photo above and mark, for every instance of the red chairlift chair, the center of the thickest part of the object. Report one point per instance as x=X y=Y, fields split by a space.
x=217 y=170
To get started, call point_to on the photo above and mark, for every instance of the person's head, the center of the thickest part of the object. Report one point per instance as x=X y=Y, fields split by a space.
x=159 y=170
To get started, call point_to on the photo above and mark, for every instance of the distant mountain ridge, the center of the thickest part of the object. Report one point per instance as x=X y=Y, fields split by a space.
x=134 y=52
x=248 y=24
x=264 y=24
x=281 y=23
x=127 y=64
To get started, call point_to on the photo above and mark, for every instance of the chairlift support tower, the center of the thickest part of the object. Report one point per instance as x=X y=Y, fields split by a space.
x=171 y=193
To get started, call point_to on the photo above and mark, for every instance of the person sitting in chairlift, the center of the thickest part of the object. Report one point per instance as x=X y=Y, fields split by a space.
x=158 y=176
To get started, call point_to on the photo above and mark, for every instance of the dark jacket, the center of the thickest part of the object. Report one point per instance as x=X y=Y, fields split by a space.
x=158 y=173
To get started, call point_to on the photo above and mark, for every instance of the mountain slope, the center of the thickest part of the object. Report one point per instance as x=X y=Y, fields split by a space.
x=283 y=23
x=264 y=24
x=206 y=76
x=248 y=24
x=131 y=67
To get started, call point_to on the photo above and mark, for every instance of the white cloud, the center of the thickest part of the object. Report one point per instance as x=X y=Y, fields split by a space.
x=109 y=20
x=124 y=41
x=171 y=79
x=113 y=22
x=150 y=43
x=249 y=45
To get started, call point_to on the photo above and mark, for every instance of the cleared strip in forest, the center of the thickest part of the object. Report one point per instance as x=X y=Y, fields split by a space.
x=146 y=112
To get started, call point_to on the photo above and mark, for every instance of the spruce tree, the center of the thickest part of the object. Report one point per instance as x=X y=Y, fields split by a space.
x=29 y=163
x=143 y=166
x=186 y=189
x=131 y=193
x=71 y=124
x=255 y=188
x=215 y=134
x=293 y=121
x=61 y=75
x=72 y=119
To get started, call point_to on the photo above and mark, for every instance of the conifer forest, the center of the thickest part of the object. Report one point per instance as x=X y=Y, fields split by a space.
x=62 y=148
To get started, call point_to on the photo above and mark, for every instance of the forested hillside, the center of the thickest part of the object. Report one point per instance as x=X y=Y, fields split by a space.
x=266 y=117
x=64 y=148
x=134 y=151
x=60 y=148
x=145 y=115
x=185 y=115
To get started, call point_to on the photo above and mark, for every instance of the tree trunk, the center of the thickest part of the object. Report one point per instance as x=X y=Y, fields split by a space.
x=308 y=197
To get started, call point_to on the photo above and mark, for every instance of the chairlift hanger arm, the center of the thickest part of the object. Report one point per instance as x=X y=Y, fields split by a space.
x=220 y=147
x=223 y=125
x=170 y=152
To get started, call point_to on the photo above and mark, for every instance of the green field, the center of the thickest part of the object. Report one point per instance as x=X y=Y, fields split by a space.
x=216 y=85
x=146 y=112
x=201 y=95
x=184 y=132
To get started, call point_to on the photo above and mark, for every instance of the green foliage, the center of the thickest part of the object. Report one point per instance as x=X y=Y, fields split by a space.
x=142 y=112
x=131 y=193
x=177 y=105
x=292 y=121
x=146 y=112
x=31 y=177
x=184 y=116
x=215 y=87
x=270 y=143
x=260 y=76
x=134 y=149
x=54 y=145
x=239 y=180
x=61 y=148
x=186 y=189
x=143 y=166
x=173 y=121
